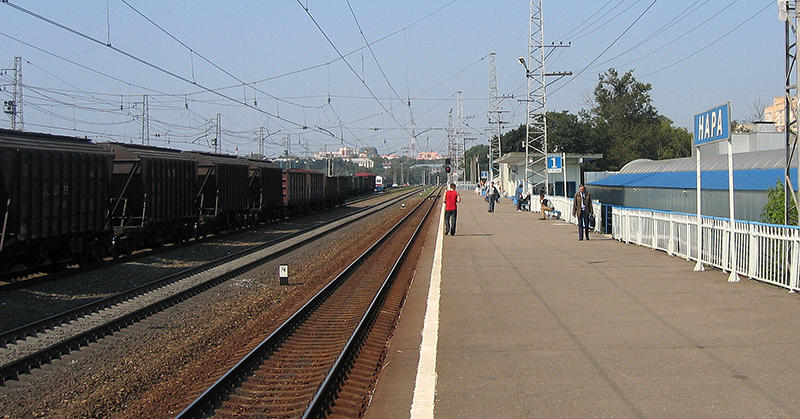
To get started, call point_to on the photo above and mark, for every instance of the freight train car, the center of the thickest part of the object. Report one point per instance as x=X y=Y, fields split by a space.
x=53 y=195
x=365 y=183
x=337 y=189
x=152 y=196
x=303 y=191
x=65 y=198
x=265 y=197
x=222 y=191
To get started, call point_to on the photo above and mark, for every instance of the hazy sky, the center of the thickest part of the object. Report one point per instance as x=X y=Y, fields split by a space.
x=322 y=74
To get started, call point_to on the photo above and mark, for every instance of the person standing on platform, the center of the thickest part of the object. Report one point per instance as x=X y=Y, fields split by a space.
x=582 y=208
x=518 y=197
x=492 y=196
x=451 y=200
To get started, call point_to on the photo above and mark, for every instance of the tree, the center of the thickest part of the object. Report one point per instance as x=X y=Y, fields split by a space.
x=626 y=126
x=482 y=152
x=773 y=212
x=566 y=133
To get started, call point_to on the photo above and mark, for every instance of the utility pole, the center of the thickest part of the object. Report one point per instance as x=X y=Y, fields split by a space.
x=788 y=12
x=536 y=117
x=495 y=121
x=14 y=107
x=458 y=144
x=218 y=135
x=145 y=121
x=450 y=146
x=261 y=143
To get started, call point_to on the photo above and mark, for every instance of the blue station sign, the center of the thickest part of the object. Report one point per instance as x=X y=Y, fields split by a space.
x=712 y=125
x=554 y=163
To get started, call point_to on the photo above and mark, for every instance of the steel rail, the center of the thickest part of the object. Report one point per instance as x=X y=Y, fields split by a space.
x=325 y=396
x=24 y=365
x=217 y=393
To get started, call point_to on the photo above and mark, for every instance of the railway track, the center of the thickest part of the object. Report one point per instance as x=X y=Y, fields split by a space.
x=25 y=277
x=28 y=347
x=325 y=358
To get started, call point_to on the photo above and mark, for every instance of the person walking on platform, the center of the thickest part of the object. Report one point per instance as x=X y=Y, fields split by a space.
x=451 y=200
x=582 y=208
x=492 y=196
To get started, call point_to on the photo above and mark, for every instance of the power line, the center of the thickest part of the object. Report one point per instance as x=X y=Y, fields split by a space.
x=712 y=42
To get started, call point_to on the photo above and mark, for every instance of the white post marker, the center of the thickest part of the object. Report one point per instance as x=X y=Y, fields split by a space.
x=283 y=274
x=733 y=260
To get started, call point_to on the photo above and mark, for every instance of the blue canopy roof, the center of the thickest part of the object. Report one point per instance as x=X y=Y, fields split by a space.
x=743 y=180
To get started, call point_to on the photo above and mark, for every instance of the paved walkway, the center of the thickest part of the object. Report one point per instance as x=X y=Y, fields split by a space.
x=533 y=323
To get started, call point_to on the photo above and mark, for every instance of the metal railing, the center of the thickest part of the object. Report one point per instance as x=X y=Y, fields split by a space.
x=764 y=252
x=564 y=205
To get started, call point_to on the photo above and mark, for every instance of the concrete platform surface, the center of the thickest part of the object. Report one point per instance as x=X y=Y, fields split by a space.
x=529 y=322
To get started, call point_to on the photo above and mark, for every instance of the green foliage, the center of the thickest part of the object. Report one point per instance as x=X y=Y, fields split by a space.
x=623 y=126
x=773 y=212
x=626 y=126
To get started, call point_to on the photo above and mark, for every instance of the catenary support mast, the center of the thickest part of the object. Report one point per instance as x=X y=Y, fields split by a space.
x=787 y=11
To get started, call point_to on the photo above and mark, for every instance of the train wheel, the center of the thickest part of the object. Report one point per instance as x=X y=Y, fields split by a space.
x=37 y=256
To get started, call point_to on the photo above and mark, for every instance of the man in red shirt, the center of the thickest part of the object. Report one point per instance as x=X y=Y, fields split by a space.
x=451 y=200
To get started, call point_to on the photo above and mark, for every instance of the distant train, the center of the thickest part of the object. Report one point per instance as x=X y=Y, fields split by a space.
x=68 y=199
x=378 y=183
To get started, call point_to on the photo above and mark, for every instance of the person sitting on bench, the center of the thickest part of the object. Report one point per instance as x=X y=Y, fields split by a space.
x=545 y=204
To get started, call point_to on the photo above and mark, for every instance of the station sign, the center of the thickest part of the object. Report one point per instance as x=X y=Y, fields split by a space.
x=712 y=125
x=555 y=163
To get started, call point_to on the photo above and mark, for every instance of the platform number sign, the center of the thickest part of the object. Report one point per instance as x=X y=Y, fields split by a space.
x=555 y=163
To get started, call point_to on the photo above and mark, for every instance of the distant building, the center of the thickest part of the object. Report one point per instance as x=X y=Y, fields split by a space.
x=369 y=152
x=429 y=155
x=363 y=162
x=777 y=112
x=342 y=153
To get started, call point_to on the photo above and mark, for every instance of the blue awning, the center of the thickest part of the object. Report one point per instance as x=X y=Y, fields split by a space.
x=743 y=180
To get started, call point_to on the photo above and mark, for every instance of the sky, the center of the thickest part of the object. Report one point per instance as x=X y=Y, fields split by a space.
x=319 y=75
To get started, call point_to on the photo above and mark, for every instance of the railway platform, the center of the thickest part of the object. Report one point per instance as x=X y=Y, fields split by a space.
x=513 y=317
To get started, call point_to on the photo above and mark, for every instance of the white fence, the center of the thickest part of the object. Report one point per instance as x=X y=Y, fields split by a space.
x=763 y=252
x=564 y=205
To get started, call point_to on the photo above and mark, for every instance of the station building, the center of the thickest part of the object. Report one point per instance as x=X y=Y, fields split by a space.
x=671 y=185
x=512 y=172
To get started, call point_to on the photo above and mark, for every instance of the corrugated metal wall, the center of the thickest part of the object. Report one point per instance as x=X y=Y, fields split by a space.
x=748 y=205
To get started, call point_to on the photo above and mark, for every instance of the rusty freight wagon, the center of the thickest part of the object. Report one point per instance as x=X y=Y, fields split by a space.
x=337 y=189
x=265 y=196
x=152 y=196
x=53 y=199
x=303 y=191
x=221 y=191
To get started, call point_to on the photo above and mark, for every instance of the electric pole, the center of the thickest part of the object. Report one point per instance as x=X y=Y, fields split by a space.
x=495 y=121
x=788 y=12
x=218 y=135
x=145 y=121
x=14 y=107
x=536 y=117
x=451 y=177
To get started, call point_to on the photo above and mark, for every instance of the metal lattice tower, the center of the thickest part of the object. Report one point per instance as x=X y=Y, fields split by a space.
x=536 y=121
x=14 y=107
x=495 y=149
x=458 y=143
x=788 y=12
x=451 y=177
x=145 y=120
